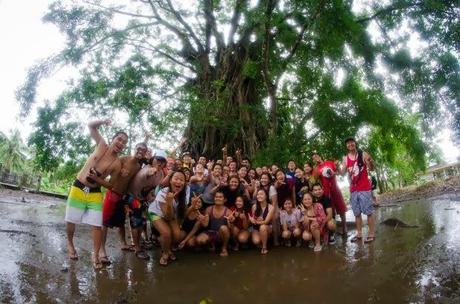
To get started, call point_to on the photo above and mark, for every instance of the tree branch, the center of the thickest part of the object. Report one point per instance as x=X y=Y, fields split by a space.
x=235 y=20
x=294 y=48
x=212 y=24
x=178 y=31
x=117 y=11
x=184 y=24
x=152 y=48
x=387 y=10
x=116 y=32
x=271 y=88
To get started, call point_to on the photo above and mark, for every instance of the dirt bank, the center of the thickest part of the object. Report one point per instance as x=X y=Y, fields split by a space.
x=449 y=187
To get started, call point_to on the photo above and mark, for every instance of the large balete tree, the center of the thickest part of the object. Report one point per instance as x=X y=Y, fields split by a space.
x=264 y=76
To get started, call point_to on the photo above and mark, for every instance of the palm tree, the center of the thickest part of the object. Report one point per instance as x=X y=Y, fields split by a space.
x=13 y=152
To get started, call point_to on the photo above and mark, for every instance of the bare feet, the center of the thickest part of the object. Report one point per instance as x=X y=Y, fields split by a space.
x=264 y=251
x=224 y=252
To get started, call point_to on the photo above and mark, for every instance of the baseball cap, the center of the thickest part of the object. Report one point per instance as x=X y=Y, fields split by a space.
x=160 y=154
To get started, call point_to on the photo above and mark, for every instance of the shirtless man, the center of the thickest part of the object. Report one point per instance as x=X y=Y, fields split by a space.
x=84 y=203
x=357 y=163
x=113 y=212
x=139 y=194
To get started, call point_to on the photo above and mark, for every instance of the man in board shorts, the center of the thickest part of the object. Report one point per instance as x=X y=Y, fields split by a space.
x=137 y=197
x=84 y=203
x=113 y=212
x=357 y=163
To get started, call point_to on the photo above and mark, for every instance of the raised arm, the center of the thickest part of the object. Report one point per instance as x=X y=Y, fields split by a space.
x=224 y=155
x=94 y=132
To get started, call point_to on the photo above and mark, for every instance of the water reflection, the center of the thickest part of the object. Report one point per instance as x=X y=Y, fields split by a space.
x=402 y=265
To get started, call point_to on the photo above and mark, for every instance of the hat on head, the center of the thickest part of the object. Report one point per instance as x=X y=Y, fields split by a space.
x=160 y=154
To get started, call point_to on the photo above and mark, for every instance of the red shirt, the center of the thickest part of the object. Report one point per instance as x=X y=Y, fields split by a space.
x=359 y=178
x=238 y=221
x=329 y=183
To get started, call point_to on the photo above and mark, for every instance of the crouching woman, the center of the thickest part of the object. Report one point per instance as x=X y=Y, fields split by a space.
x=166 y=212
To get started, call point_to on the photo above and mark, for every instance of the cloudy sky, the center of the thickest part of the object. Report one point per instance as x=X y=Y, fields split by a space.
x=25 y=39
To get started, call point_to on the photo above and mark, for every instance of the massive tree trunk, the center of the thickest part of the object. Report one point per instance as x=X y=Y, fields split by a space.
x=229 y=110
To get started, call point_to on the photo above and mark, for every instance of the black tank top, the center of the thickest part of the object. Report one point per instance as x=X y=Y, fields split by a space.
x=215 y=223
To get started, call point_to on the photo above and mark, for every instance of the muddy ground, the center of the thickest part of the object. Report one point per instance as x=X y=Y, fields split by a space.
x=418 y=265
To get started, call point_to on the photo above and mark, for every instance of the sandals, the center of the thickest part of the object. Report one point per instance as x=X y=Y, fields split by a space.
x=72 y=253
x=172 y=257
x=369 y=239
x=317 y=248
x=164 y=260
x=356 y=238
x=147 y=246
x=97 y=265
x=73 y=256
x=105 y=260
x=142 y=255
x=129 y=248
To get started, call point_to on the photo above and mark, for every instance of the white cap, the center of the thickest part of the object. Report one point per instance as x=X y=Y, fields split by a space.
x=160 y=154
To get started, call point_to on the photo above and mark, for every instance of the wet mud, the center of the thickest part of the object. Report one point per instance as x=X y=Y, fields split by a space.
x=402 y=265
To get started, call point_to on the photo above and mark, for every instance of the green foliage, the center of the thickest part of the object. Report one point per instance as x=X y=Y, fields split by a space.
x=55 y=140
x=13 y=152
x=169 y=68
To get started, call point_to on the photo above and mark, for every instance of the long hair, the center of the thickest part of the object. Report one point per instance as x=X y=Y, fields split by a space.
x=269 y=180
x=258 y=211
x=181 y=197
x=228 y=182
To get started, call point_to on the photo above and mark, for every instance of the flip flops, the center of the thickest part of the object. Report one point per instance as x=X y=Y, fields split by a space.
x=73 y=256
x=105 y=260
x=356 y=238
x=369 y=239
x=142 y=255
x=130 y=248
x=172 y=257
x=164 y=260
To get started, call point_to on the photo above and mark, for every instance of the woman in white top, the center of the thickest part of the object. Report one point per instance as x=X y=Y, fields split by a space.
x=166 y=212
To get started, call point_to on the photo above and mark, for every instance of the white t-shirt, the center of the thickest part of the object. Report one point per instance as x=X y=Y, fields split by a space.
x=161 y=199
x=290 y=219
x=272 y=191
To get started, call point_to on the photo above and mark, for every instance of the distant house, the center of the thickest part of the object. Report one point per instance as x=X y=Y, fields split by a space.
x=440 y=172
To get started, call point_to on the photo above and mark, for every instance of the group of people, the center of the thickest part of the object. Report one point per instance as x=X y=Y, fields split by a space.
x=219 y=205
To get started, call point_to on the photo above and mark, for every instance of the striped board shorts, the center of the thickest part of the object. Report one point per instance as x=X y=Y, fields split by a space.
x=84 y=205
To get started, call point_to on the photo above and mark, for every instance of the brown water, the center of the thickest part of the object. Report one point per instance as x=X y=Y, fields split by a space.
x=419 y=265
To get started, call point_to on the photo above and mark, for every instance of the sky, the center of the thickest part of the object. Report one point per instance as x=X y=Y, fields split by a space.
x=25 y=39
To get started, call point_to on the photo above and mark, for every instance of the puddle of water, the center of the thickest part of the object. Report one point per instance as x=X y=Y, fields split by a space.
x=402 y=265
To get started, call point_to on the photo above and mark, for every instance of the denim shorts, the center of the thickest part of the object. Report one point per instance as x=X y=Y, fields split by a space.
x=361 y=202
